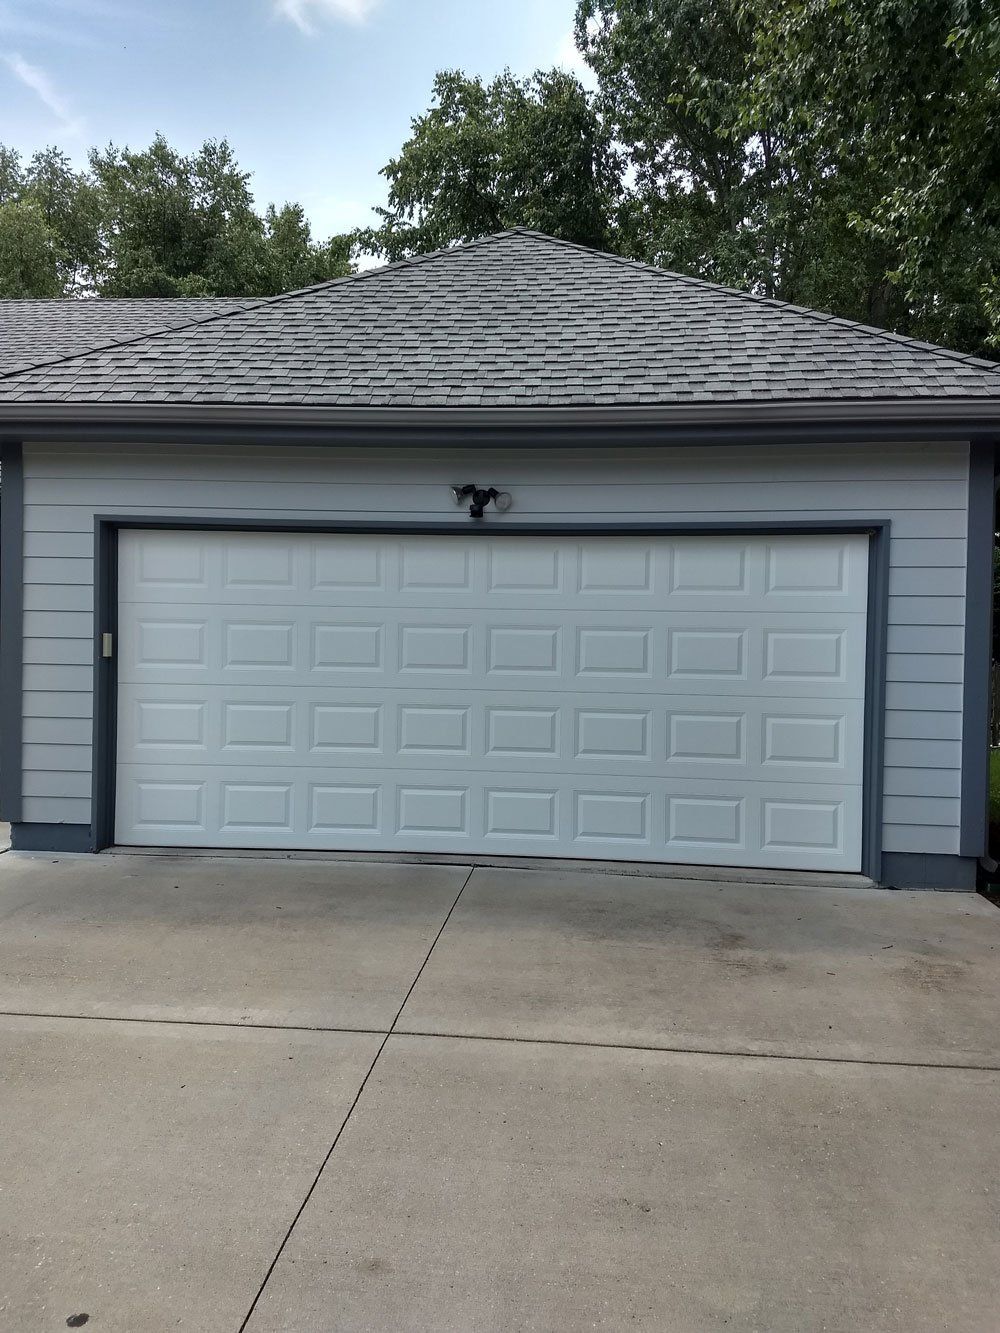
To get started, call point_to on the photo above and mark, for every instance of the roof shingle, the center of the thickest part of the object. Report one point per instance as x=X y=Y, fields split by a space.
x=517 y=318
x=34 y=332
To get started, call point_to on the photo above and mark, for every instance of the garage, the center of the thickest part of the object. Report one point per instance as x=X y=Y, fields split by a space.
x=657 y=698
x=512 y=549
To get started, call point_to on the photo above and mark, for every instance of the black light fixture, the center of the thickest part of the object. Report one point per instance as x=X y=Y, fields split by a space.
x=479 y=497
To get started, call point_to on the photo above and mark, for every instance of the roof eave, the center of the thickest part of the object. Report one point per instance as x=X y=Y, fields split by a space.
x=951 y=417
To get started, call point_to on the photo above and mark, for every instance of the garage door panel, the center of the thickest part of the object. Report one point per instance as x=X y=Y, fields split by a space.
x=689 y=699
x=783 y=654
x=814 y=574
x=759 y=740
x=518 y=813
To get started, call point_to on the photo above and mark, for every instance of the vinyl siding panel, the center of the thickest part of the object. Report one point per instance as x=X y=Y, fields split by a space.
x=921 y=489
x=55 y=810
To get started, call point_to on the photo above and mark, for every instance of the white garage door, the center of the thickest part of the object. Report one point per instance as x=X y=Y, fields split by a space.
x=664 y=699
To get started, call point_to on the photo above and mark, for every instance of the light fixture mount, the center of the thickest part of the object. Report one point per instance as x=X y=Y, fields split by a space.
x=480 y=496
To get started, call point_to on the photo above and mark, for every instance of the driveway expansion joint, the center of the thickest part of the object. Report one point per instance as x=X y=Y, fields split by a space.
x=195 y=1023
x=350 y=1110
x=695 y=1050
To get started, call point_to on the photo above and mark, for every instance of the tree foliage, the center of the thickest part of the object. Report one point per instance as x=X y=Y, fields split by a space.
x=153 y=222
x=906 y=96
x=488 y=156
x=842 y=154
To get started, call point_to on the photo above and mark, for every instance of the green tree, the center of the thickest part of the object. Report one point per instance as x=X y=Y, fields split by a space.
x=841 y=154
x=176 y=225
x=30 y=254
x=907 y=97
x=724 y=184
x=70 y=204
x=488 y=156
x=151 y=223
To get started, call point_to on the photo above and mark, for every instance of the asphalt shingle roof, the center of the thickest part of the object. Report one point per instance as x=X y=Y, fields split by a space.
x=517 y=319
x=34 y=332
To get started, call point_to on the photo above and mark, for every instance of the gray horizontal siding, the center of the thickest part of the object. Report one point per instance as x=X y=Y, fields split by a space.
x=923 y=490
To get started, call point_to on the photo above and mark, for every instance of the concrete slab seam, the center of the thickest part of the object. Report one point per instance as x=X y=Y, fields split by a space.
x=570 y=1042
x=350 y=1111
x=694 y=1050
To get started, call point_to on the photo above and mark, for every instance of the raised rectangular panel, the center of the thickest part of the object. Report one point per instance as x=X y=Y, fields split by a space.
x=434 y=648
x=256 y=805
x=802 y=825
x=252 y=563
x=707 y=654
x=428 y=730
x=521 y=813
x=613 y=568
x=612 y=734
x=803 y=740
x=347 y=647
x=612 y=816
x=171 y=643
x=346 y=566
x=435 y=565
x=613 y=652
x=259 y=645
x=257 y=726
x=517 y=568
x=704 y=821
x=805 y=567
x=433 y=810
x=514 y=649
x=166 y=560
x=803 y=655
x=709 y=566
x=522 y=730
x=346 y=726
x=706 y=736
x=349 y=809
x=175 y=805
x=169 y=723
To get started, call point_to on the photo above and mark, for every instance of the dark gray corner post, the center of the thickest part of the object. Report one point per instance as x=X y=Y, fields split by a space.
x=875 y=672
x=978 y=649
x=11 y=626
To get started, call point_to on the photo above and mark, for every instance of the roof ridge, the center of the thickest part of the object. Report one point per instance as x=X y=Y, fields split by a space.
x=823 y=316
x=254 y=305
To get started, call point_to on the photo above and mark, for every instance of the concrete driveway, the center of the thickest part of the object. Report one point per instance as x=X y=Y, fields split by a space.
x=293 y=1095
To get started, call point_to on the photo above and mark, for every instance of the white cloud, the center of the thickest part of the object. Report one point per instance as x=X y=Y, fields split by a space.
x=35 y=78
x=303 y=12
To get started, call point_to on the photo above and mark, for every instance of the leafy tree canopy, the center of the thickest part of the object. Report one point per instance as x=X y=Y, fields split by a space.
x=151 y=223
x=485 y=157
x=842 y=154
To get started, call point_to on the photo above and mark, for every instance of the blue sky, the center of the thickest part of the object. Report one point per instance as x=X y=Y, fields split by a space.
x=314 y=95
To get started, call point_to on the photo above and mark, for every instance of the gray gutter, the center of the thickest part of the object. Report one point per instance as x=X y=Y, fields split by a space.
x=984 y=410
x=705 y=422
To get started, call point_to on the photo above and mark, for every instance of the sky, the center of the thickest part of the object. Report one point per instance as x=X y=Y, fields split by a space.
x=314 y=95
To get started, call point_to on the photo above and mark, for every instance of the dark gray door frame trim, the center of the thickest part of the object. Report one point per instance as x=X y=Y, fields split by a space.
x=878 y=531
x=974 y=816
x=11 y=626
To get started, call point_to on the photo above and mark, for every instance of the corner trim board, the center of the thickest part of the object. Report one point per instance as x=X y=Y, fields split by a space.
x=12 y=621
x=973 y=813
x=105 y=734
x=876 y=652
